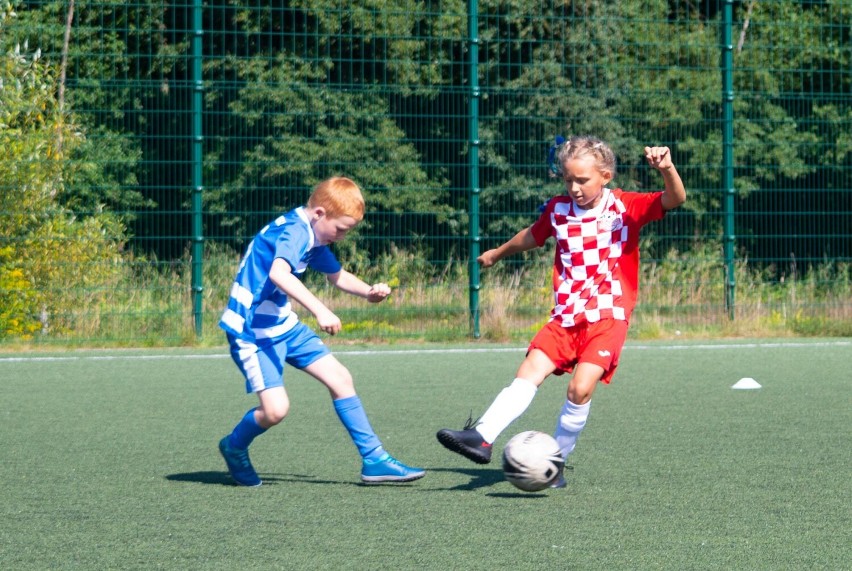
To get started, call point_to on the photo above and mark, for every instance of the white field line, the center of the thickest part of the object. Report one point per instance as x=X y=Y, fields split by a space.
x=370 y=352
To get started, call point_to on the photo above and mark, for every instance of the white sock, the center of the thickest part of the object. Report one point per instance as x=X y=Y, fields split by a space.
x=572 y=419
x=509 y=405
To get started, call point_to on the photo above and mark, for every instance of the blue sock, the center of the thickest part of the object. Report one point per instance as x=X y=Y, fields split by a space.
x=245 y=431
x=354 y=418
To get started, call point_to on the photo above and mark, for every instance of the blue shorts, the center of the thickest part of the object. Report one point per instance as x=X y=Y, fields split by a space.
x=263 y=366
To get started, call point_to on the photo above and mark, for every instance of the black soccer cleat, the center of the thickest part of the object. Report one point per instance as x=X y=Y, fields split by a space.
x=467 y=442
x=559 y=482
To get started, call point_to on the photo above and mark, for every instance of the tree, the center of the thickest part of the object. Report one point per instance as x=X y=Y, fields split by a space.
x=113 y=48
x=294 y=108
x=44 y=247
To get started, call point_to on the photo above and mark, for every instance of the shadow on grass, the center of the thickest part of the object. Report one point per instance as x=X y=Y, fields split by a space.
x=212 y=477
x=479 y=477
x=519 y=495
x=484 y=478
x=224 y=479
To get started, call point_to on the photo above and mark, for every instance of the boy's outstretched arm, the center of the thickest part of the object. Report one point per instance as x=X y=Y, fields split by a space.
x=660 y=158
x=520 y=242
x=282 y=276
x=352 y=284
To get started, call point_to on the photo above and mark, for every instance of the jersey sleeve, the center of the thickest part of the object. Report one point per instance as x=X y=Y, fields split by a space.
x=322 y=259
x=292 y=244
x=644 y=207
x=542 y=229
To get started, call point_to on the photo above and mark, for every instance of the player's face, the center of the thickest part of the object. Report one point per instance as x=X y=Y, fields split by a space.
x=584 y=181
x=329 y=230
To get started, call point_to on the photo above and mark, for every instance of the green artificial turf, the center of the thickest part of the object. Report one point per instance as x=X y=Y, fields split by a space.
x=109 y=462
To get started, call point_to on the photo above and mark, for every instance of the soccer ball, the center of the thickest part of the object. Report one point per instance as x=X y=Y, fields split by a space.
x=532 y=461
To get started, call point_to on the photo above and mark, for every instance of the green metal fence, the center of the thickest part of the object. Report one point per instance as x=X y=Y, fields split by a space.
x=146 y=142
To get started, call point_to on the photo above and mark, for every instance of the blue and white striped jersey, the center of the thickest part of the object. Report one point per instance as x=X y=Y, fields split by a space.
x=257 y=310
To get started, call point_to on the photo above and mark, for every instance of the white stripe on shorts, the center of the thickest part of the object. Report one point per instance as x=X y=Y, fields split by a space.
x=251 y=365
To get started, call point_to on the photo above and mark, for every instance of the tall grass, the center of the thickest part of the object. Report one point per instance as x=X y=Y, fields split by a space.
x=684 y=294
x=681 y=295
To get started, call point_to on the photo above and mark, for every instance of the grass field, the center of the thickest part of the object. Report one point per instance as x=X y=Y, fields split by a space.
x=109 y=462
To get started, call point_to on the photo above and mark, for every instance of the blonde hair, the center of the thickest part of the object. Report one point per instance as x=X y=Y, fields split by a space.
x=580 y=146
x=340 y=196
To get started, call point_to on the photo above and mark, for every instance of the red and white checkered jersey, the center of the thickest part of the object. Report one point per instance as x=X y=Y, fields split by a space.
x=596 y=267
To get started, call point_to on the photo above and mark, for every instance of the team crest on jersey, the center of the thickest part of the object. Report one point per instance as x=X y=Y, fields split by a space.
x=609 y=221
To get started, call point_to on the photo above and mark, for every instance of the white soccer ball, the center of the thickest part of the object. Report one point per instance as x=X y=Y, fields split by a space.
x=532 y=461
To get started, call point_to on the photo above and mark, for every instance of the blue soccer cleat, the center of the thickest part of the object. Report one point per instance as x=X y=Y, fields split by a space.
x=389 y=469
x=239 y=464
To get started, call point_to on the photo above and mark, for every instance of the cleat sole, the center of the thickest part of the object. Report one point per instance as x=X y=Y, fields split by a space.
x=452 y=443
x=392 y=479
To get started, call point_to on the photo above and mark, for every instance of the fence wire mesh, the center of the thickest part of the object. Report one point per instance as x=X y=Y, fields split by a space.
x=144 y=144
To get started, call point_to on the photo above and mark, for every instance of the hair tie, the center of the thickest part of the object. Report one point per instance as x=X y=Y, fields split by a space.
x=555 y=168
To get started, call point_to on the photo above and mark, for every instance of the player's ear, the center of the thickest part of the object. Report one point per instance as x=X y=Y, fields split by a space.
x=607 y=176
x=318 y=213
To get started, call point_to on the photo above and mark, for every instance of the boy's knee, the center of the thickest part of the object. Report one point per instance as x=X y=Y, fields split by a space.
x=579 y=394
x=342 y=386
x=336 y=378
x=583 y=383
x=275 y=413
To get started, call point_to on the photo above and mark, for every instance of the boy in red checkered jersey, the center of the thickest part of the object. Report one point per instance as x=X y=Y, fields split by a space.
x=595 y=283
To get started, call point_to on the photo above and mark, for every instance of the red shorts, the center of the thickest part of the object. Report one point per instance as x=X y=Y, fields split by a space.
x=599 y=343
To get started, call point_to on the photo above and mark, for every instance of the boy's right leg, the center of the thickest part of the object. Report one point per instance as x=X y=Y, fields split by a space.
x=474 y=442
x=238 y=463
x=263 y=370
x=234 y=449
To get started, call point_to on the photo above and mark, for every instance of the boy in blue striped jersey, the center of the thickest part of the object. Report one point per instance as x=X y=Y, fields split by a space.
x=264 y=333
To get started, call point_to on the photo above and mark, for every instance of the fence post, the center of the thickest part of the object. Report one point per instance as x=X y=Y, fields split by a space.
x=728 y=153
x=197 y=170
x=473 y=165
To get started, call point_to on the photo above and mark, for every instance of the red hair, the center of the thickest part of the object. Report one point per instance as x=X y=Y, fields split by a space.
x=340 y=196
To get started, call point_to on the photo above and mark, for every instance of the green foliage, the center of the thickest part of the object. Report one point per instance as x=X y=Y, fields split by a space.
x=778 y=139
x=301 y=129
x=357 y=144
x=297 y=90
x=45 y=248
x=86 y=253
x=109 y=42
x=686 y=291
x=18 y=299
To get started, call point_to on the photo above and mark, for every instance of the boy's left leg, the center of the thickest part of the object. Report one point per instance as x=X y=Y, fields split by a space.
x=597 y=358
x=377 y=465
x=572 y=417
x=575 y=409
